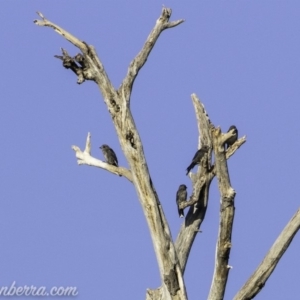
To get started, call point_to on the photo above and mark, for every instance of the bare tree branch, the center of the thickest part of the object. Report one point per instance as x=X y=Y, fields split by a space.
x=196 y=214
x=193 y=198
x=190 y=227
x=93 y=62
x=85 y=158
x=258 y=279
x=203 y=122
x=161 y=24
x=231 y=150
x=171 y=258
x=69 y=63
x=172 y=280
x=71 y=38
x=173 y=24
x=221 y=270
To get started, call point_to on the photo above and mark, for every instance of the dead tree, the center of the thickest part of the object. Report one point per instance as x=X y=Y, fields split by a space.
x=171 y=256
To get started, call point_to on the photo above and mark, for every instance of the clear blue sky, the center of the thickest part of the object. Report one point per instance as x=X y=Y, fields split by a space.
x=63 y=224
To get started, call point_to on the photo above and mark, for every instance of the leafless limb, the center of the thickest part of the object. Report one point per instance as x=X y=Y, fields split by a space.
x=71 y=38
x=190 y=226
x=203 y=122
x=172 y=259
x=85 y=158
x=173 y=286
x=193 y=198
x=69 y=62
x=258 y=279
x=138 y=62
x=231 y=150
x=221 y=270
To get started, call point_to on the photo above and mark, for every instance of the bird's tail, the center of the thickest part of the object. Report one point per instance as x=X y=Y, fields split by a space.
x=189 y=168
x=181 y=213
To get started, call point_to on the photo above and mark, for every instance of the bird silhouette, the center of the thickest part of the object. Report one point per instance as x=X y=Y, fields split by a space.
x=109 y=155
x=197 y=158
x=181 y=196
x=234 y=138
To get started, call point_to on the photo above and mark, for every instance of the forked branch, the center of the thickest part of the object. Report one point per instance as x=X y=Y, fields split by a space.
x=85 y=158
x=171 y=260
x=173 y=286
x=161 y=24
x=196 y=214
x=201 y=183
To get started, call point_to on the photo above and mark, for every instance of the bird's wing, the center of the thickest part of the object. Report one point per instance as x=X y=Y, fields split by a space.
x=113 y=155
x=181 y=196
x=178 y=197
x=196 y=155
x=185 y=195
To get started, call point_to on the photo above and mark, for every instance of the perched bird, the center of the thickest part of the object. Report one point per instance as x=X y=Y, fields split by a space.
x=181 y=197
x=197 y=158
x=110 y=155
x=234 y=138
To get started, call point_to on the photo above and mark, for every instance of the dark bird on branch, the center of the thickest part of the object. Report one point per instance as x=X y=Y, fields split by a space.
x=110 y=155
x=234 y=138
x=197 y=158
x=181 y=197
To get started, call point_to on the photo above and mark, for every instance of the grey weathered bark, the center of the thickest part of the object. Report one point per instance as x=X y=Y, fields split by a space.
x=226 y=217
x=172 y=258
x=118 y=102
x=258 y=279
x=201 y=183
x=190 y=228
